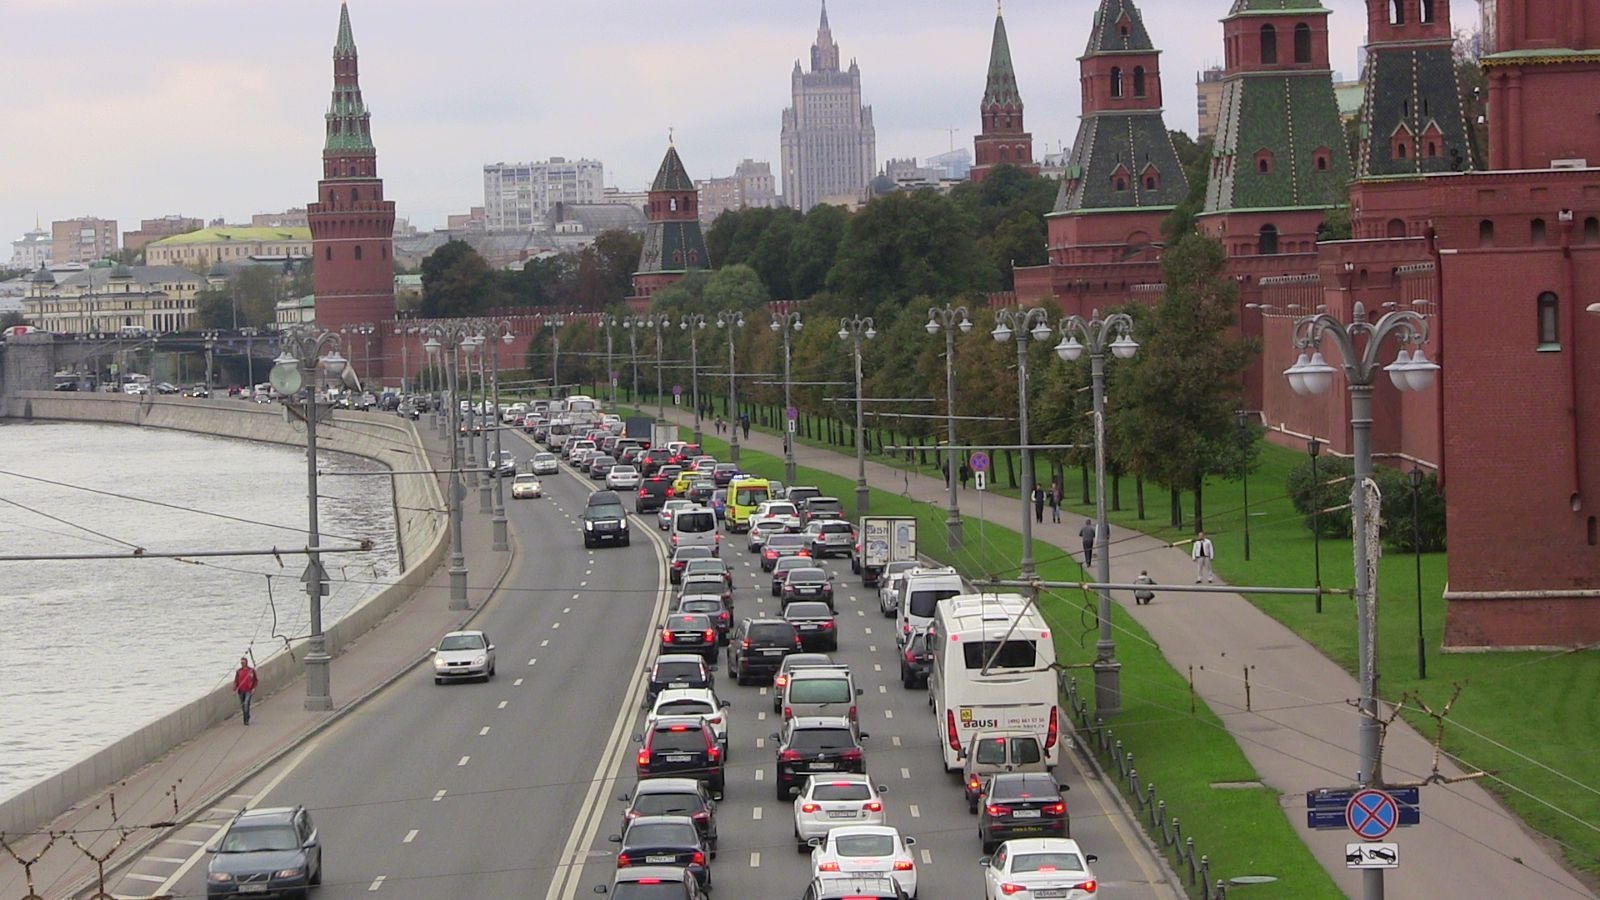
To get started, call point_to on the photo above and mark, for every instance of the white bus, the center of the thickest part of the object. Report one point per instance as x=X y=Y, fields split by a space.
x=992 y=670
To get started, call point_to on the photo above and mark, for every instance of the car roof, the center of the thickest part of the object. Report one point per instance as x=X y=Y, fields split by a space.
x=660 y=820
x=465 y=634
x=856 y=883
x=862 y=829
x=807 y=660
x=665 y=786
x=839 y=778
x=833 y=671
x=664 y=722
x=821 y=573
x=819 y=722
x=661 y=873
x=1044 y=845
x=681 y=658
x=269 y=815
x=806 y=607
x=1037 y=781
x=706 y=694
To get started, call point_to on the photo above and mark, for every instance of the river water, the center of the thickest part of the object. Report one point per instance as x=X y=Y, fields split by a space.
x=92 y=650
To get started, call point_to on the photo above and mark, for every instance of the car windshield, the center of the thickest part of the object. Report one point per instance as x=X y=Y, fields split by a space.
x=863 y=845
x=461 y=642
x=671 y=740
x=694 y=522
x=1019 y=787
x=603 y=461
x=841 y=790
x=685 y=708
x=780 y=509
x=825 y=506
x=544 y=457
x=606 y=511
x=624 y=470
x=789 y=541
x=689 y=622
x=750 y=496
x=807 y=610
x=817 y=739
x=663 y=834
x=1046 y=862
x=789 y=564
x=807 y=576
x=688 y=670
x=836 y=528
x=684 y=554
x=260 y=838
x=705 y=566
x=708 y=605
x=526 y=479
x=665 y=804
x=819 y=690
x=773 y=632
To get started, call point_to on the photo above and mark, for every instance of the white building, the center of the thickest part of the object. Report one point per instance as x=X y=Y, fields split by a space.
x=829 y=144
x=518 y=196
x=32 y=250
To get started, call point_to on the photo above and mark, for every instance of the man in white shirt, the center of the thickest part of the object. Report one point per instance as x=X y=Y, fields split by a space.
x=1201 y=553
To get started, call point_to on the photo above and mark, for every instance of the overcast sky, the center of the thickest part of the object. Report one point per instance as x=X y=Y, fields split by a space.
x=137 y=110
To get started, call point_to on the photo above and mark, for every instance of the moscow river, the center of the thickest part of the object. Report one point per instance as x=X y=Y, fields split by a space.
x=91 y=650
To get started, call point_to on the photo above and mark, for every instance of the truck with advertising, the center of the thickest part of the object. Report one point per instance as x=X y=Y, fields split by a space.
x=882 y=540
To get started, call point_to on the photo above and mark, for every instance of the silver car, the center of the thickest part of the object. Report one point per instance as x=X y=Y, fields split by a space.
x=544 y=464
x=504 y=464
x=463 y=654
x=670 y=509
x=622 y=478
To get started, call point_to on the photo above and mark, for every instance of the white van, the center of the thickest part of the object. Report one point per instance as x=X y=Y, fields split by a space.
x=696 y=527
x=919 y=598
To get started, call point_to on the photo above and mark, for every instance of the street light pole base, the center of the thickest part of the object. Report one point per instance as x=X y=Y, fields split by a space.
x=697 y=435
x=733 y=452
x=458 y=585
x=318 y=695
x=952 y=532
x=863 y=499
x=1107 y=688
x=486 y=497
x=500 y=542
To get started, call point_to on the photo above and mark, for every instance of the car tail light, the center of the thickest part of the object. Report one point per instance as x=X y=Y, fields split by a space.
x=797 y=644
x=711 y=634
x=827 y=626
x=1053 y=731
x=788 y=755
x=671 y=492
x=701 y=816
x=723 y=616
x=950 y=730
x=902 y=865
x=1009 y=889
x=678 y=728
x=623 y=861
x=769 y=554
x=973 y=784
x=674 y=540
x=828 y=867
x=713 y=753
x=666 y=637
x=643 y=492
x=853 y=755
x=809 y=807
x=905 y=627
x=874 y=806
x=852 y=713
x=745 y=643
x=1088 y=887
x=1056 y=809
x=779 y=682
x=996 y=809
x=644 y=758
x=698 y=859
x=788 y=712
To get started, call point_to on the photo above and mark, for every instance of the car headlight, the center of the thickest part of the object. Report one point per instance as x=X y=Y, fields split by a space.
x=290 y=873
x=481 y=660
x=220 y=877
x=588 y=526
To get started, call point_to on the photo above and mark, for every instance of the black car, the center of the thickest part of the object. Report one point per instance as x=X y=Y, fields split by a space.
x=700 y=491
x=757 y=647
x=682 y=746
x=665 y=841
x=800 y=493
x=816 y=745
x=604 y=520
x=916 y=658
x=690 y=633
x=807 y=583
x=712 y=605
x=263 y=852
x=680 y=559
x=821 y=508
x=674 y=797
x=678 y=670
x=785 y=565
x=600 y=466
x=654 y=492
x=814 y=622
x=705 y=583
x=653 y=459
x=722 y=473
x=713 y=565
x=1021 y=804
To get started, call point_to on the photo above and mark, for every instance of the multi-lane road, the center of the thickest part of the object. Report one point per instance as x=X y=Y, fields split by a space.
x=509 y=789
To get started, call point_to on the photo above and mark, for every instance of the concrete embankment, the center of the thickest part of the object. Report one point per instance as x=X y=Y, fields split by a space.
x=422 y=538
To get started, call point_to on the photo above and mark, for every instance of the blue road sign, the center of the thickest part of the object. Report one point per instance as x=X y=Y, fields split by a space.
x=1325 y=818
x=1372 y=814
x=793 y=413
x=1325 y=807
x=1330 y=798
x=979 y=461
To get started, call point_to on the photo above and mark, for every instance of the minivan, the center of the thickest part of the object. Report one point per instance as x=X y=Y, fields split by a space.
x=821 y=691
x=695 y=527
x=920 y=594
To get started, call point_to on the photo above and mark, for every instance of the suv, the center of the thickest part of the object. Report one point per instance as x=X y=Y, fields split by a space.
x=790 y=663
x=653 y=459
x=712 y=605
x=919 y=597
x=757 y=647
x=821 y=508
x=604 y=520
x=673 y=797
x=684 y=746
x=680 y=561
x=799 y=494
x=1021 y=804
x=690 y=633
x=992 y=752
x=816 y=745
x=830 y=538
x=653 y=492
x=677 y=670
x=805 y=582
x=821 y=691
x=274 y=850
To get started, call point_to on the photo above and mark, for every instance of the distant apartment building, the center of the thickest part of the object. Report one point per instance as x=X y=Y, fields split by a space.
x=151 y=230
x=32 y=250
x=1208 y=101
x=474 y=220
x=750 y=186
x=294 y=217
x=517 y=196
x=203 y=248
x=829 y=144
x=83 y=240
x=635 y=199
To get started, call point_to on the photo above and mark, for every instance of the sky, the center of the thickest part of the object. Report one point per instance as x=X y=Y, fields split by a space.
x=137 y=110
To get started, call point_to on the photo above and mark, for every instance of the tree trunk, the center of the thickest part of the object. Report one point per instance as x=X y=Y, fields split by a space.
x=1138 y=494
x=1011 y=470
x=1199 y=490
x=1176 y=507
x=1116 y=491
x=1083 y=471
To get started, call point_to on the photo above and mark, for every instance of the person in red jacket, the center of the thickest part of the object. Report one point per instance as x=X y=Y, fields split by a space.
x=244 y=684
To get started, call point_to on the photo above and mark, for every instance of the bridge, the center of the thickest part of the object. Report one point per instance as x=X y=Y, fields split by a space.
x=30 y=362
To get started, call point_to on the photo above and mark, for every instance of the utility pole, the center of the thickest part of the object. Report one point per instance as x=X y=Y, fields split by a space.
x=948 y=319
x=853 y=329
x=445 y=338
x=1023 y=324
x=783 y=325
x=731 y=322
x=692 y=323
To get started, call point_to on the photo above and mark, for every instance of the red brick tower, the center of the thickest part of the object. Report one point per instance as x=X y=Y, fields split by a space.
x=352 y=226
x=1003 y=139
x=673 y=242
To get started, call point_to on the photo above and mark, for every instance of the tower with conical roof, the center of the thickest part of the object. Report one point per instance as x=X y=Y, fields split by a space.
x=828 y=142
x=1413 y=120
x=1003 y=140
x=352 y=225
x=673 y=243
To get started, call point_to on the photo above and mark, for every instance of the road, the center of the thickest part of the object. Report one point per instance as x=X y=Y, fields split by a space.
x=509 y=789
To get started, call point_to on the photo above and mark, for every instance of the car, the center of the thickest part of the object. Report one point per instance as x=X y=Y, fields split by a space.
x=826 y=802
x=681 y=483
x=503 y=464
x=544 y=464
x=690 y=633
x=1021 y=804
x=653 y=493
x=463 y=654
x=711 y=565
x=757 y=646
x=828 y=537
x=719 y=504
x=701 y=491
x=722 y=473
x=668 y=510
x=782 y=567
x=665 y=841
x=273 y=850
x=760 y=529
x=197 y=390
x=990 y=752
x=781 y=545
x=166 y=387
x=677 y=670
x=1033 y=868
x=813 y=620
x=673 y=797
x=815 y=745
x=654 y=459
x=783 y=510
x=684 y=746
x=821 y=691
x=798 y=494
x=622 y=478
x=821 y=508
x=853 y=887
x=720 y=611
x=576 y=446
x=580 y=458
x=867 y=849
x=605 y=521
x=599 y=466
x=702 y=702
x=790 y=663
x=706 y=584
x=695 y=526
x=890 y=583
x=681 y=558
x=525 y=487
x=804 y=582
x=916 y=659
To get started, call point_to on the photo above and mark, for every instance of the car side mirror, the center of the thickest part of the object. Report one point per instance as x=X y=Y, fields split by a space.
x=863 y=736
x=215 y=846
x=814 y=842
x=600 y=889
x=638 y=739
x=860 y=692
x=1065 y=788
x=433 y=649
x=726 y=704
x=909 y=842
x=1091 y=857
x=615 y=839
x=624 y=797
x=491 y=646
x=883 y=789
x=985 y=861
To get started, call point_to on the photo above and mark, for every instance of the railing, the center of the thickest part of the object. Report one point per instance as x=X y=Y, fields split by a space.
x=1118 y=761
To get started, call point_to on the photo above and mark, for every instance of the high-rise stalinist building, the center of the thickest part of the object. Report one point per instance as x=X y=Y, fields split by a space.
x=829 y=144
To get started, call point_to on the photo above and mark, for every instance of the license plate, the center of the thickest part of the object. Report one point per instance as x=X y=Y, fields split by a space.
x=841 y=814
x=1048 y=893
x=777 y=652
x=804 y=627
x=677 y=684
x=681 y=757
x=252 y=889
x=823 y=766
x=658 y=860
x=1026 y=813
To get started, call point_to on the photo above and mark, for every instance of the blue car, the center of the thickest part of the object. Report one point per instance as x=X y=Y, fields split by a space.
x=719 y=502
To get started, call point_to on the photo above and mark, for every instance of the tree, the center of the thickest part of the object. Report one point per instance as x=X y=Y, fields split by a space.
x=250 y=297
x=456 y=282
x=814 y=249
x=902 y=245
x=1195 y=157
x=617 y=255
x=735 y=287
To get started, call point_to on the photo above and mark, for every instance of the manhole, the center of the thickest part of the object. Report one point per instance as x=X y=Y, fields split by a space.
x=1236 y=785
x=1252 y=879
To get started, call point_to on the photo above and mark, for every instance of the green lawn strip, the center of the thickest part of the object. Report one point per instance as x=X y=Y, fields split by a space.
x=1242 y=831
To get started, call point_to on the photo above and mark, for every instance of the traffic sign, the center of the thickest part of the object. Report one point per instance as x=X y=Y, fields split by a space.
x=793 y=413
x=1372 y=814
x=979 y=462
x=1325 y=807
x=980 y=480
x=791 y=426
x=1325 y=818
x=1372 y=856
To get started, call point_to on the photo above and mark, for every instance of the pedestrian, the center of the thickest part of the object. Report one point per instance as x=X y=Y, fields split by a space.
x=744 y=420
x=966 y=475
x=1143 y=596
x=1054 y=501
x=1038 y=504
x=244 y=684
x=1087 y=532
x=944 y=468
x=1202 y=553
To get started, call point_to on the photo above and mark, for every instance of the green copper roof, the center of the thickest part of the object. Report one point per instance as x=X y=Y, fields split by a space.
x=1118 y=28
x=1414 y=90
x=1115 y=157
x=346 y=44
x=348 y=121
x=1001 y=89
x=672 y=176
x=673 y=247
x=1268 y=7
x=1294 y=118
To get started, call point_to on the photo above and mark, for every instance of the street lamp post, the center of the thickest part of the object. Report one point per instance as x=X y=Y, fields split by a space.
x=607 y=321
x=304 y=349
x=783 y=325
x=491 y=331
x=948 y=319
x=250 y=333
x=633 y=325
x=365 y=331
x=403 y=333
x=731 y=322
x=211 y=345
x=486 y=419
x=1416 y=551
x=1314 y=449
x=444 y=339
x=1023 y=325
x=556 y=323
x=1311 y=374
x=853 y=329
x=1114 y=333
x=692 y=323
x=1244 y=470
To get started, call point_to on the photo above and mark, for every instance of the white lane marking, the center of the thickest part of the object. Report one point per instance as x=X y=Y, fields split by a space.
x=230 y=810
x=438 y=796
x=412 y=834
x=877 y=668
x=905 y=773
x=187 y=842
x=503 y=704
x=883 y=689
x=555 y=625
x=872 y=648
x=532 y=661
x=761 y=774
x=239 y=796
x=376 y=883
x=866 y=630
x=151 y=878
x=761 y=716
x=583 y=584
x=483 y=731
x=574 y=596
x=462 y=761
x=755 y=813
x=760 y=742
x=545 y=642
x=915 y=812
x=517 y=683
x=927 y=857
x=895 y=738
x=566 y=609
x=763 y=692
x=755 y=859
x=860 y=612
x=888 y=714
x=169 y=860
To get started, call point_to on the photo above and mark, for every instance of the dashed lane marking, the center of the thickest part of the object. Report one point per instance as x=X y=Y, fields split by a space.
x=905 y=773
x=187 y=842
x=412 y=835
x=156 y=879
x=583 y=584
x=517 y=683
x=876 y=667
x=755 y=813
x=438 y=796
x=483 y=731
x=755 y=859
x=927 y=857
x=462 y=761
x=376 y=883
x=860 y=612
x=888 y=714
x=915 y=812
x=872 y=648
x=567 y=609
x=883 y=689
x=545 y=642
x=866 y=631
x=574 y=596
x=761 y=774
x=761 y=716
x=169 y=860
x=763 y=692
x=895 y=738
x=555 y=625
x=760 y=742
x=532 y=661
x=503 y=704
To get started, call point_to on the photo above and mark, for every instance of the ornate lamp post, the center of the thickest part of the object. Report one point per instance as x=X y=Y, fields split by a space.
x=731 y=322
x=1114 y=333
x=211 y=346
x=304 y=350
x=692 y=323
x=1244 y=470
x=1416 y=552
x=1359 y=344
x=633 y=325
x=444 y=340
x=1023 y=325
x=1314 y=449
x=607 y=321
x=487 y=420
x=403 y=332
x=854 y=329
x=365 y=330
x=783 y=325
x=488 y=332
x=556 y=323
x=250 y=333
x=658 y=322
x=948 y=319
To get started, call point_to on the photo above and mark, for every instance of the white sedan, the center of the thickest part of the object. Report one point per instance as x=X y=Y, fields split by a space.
x=463 y=654
x=867 y=849
x=622 y=478
x=1039 y=869
x=526 y=487
x=700 y=702
x=826 y=802
x=544 y=464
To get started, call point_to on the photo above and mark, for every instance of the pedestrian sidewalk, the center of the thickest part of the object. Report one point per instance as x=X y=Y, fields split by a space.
x=1300 y=729
x=209 y=767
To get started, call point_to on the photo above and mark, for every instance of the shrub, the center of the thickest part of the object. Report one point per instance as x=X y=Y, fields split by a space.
x=1394 y=486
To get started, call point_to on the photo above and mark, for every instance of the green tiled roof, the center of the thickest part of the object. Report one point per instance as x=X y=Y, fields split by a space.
x=1417 y=88
x=1106 y=36
x=346 y=44
x=672 y=176
x=348 y=122
x=219 y=235
x=1133 y=142
x=1001 y=89
x=1292 y=116
x=673 y=247
x=1258 y=7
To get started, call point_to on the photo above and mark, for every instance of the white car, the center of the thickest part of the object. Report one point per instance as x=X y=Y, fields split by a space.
x=700 y=702
x=670 y=509
x=503 y=464
x=826 y=802
x=760 y=530
x=580 y=457
x=544 y=464
x=866 y=850
x=622 y=478
x=1036 y=868
x=782 y=510
x=526 y=487
x=463 y=654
